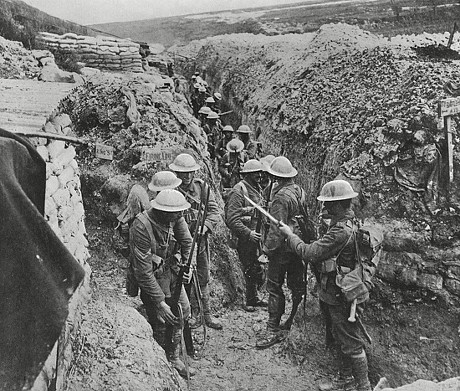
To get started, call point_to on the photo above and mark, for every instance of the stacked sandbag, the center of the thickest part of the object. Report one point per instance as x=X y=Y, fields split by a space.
x=107 y=53
x=64 y=205
x=65 y=214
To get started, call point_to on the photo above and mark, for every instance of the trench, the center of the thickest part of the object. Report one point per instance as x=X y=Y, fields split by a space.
x=404 y=315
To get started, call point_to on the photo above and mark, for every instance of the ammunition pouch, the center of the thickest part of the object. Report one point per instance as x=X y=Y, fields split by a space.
x=329 y=265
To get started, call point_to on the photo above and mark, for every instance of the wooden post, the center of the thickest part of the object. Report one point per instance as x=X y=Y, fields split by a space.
x=446 y=109
x=450 y=147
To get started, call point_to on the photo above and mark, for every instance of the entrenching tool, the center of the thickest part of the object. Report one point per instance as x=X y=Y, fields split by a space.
x=363 y=330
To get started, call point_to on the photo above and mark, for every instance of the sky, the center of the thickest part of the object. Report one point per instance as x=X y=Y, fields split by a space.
x=104 y=11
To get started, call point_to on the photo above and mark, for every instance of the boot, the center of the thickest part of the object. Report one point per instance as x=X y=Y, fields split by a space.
x=208 y=318
x=361 y=371
x=252 y=297
x=174 y=355
x=346 y=380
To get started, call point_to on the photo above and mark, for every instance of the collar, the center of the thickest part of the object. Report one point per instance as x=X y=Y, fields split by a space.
x=345 y=216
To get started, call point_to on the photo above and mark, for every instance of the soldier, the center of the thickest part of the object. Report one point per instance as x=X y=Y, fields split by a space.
x=154 y=237
x=137 y=202
x=246 y=223
x=213 y=130
x=221 y=146
x=210 y=102
x=266 y=180
x=163 y=180
x=283 y=262
x=336 y=251
x=201 y=95
x=217 y=98
x=231 y=164
x=194 y=189
x=250 y=146
x=195 y=99
x=202 y=114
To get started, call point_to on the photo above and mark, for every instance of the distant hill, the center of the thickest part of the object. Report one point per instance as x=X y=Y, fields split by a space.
x=378 y=16
x=20 y=22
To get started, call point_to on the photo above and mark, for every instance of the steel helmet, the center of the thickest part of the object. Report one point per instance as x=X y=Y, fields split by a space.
x=244 y=129
x=266 y=161
x=193 y=76
x=235 y=145
x=196 y=85
x=210 y=99
x=197 y=73
x=184 y=163
x=205 y=110
x=217 y=96
x=227 y=128
x=164 y=180
x=281 y=167
x=202 y=89
x=170 y=200
x=252 y=165
x=212 y=115
x=336 y=190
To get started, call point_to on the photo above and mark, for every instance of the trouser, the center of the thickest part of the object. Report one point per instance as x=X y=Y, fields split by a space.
x=347 y=334
x=280 y=266
x=158 y=327
x=253 y=271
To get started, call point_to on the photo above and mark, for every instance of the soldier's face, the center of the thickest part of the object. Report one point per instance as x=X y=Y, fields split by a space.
x=256 y=177
x=332 y=208
x=168 y=217
x=186 y=177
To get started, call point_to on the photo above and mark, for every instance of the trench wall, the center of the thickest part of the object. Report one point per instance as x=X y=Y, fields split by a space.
x=275 y=86
x=104 y=53
x=65 y=214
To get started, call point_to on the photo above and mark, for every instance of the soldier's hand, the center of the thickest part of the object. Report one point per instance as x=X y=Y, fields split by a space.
x=255 y=237
x=165 y=313
x=247 y=210
x=285 y=229
x=187 y=276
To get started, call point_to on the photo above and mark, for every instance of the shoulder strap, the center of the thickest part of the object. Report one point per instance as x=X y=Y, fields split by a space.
x=144 y=219
x=244 y=188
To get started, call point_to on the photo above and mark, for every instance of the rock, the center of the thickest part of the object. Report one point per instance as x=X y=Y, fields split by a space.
x=51 y=73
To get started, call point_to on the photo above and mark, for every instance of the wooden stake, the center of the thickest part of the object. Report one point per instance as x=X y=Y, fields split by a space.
x=450 y=147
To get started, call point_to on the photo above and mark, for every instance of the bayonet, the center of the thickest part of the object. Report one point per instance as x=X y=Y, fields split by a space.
x=263 y=211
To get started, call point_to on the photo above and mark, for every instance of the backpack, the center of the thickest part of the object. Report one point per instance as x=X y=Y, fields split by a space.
x=306 y=228
x=369 y=246
x=232 y=238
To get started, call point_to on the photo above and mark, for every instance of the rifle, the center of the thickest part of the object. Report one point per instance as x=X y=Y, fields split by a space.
x=175 y=309
x=195 y=274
